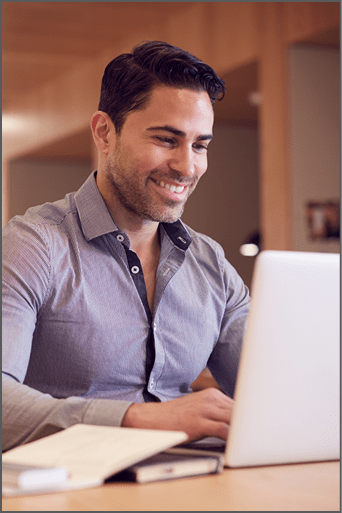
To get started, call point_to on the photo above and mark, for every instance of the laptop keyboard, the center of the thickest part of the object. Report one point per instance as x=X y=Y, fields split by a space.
x=206 y=444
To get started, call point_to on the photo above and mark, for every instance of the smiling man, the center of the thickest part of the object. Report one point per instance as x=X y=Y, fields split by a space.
x=111 y=305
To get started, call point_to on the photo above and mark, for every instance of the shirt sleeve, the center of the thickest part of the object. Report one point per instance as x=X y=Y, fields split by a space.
x=28 y=414
x=224 y=360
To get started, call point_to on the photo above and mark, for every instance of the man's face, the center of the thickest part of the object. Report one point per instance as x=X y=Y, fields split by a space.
x=160 y=154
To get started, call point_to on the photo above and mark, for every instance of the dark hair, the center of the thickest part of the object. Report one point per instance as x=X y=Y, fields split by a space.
x=128 y=80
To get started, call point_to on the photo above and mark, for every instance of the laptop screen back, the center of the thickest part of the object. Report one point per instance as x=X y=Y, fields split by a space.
x=287 y=394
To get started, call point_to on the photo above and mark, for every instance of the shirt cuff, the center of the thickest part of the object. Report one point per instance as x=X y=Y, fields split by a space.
x=105 y=412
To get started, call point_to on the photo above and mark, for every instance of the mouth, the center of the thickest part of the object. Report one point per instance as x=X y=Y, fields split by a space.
x=175 y=192
x=178 y=189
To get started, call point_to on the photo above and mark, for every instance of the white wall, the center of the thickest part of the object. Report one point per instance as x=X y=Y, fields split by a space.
x=225 y=204
x=315 y=126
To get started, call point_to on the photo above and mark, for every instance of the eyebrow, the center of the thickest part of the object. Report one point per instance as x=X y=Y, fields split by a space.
x=179 y=133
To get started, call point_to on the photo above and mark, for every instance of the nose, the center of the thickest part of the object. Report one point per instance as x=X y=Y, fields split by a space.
x=184 y=162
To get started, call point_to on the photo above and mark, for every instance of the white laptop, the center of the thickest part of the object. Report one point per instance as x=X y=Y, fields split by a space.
x=287 y=397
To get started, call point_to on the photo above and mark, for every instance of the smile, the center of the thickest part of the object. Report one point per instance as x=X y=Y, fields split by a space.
x=173 y=188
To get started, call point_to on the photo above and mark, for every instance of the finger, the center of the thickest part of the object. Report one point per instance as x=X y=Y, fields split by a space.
x=218 y=414
x=217 y=429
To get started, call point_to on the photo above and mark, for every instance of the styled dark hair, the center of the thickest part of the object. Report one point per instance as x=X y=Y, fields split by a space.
x=128 y=80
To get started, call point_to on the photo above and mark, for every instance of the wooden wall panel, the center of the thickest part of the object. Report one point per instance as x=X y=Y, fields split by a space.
x=302 y=20
x=275 y=173
x=191 y=30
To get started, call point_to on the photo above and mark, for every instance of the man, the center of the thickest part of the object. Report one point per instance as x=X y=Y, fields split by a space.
x=111 y=306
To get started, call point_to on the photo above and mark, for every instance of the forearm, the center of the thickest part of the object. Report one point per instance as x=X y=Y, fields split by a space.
x=28 y=414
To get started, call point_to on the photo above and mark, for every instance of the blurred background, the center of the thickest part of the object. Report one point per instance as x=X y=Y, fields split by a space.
x=274 y=164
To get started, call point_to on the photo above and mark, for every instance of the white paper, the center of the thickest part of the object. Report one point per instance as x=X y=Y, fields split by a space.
x=93 y=453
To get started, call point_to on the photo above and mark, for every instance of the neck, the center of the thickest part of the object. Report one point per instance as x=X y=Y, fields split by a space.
x=142 y=233
x=144 y=239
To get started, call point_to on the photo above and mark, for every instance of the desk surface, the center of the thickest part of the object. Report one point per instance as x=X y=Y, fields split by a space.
x=299 y=487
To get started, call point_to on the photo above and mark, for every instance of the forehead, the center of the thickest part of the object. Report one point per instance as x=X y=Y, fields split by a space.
x=185 y=109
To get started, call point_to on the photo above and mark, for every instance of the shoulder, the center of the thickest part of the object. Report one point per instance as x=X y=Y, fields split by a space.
x=204 y=246
x=52 y=214
x=211 y=260
x=41 y=229
x=42 y=218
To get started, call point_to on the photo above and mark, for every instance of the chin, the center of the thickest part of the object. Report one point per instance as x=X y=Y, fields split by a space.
x=165 y=217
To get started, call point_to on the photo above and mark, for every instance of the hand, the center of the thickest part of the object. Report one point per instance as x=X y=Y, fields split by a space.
x=204 y=413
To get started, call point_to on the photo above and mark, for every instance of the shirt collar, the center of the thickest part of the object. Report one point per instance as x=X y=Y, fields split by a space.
x=92 y=210
x=178 y=234
x=96 y=219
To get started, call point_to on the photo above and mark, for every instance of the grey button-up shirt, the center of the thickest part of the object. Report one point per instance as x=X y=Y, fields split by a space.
x=79 y=341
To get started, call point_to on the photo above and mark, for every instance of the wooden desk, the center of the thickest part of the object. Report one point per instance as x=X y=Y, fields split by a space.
x=300 y=487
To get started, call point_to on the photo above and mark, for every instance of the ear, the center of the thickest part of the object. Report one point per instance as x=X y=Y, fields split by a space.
x=103 y=131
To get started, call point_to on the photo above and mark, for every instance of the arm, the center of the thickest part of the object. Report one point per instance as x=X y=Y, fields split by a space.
x=28 y=414
x=224 y=360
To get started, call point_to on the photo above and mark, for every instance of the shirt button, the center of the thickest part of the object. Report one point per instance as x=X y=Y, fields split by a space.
x=135 y=269
x=120 y=238
x=152 y=383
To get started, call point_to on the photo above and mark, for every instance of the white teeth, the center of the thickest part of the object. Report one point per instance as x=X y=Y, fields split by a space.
x=180 y=188
x=172 y=188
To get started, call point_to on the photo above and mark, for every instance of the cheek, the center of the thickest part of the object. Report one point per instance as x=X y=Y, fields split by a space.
x=202 y=166
x=153 y=158
x=133 y=163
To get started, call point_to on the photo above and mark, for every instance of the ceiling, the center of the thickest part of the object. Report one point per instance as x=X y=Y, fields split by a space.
x=42 y=40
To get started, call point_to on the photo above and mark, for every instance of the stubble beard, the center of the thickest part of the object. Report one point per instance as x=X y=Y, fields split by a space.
x=138 y=203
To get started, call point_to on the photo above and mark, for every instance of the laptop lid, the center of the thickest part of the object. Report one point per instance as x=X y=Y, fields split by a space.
x=287 y=403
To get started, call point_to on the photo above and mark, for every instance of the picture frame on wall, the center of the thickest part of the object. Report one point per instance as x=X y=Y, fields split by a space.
x=323 y=219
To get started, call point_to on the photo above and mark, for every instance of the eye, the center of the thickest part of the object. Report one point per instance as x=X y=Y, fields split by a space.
x=166 y=140
x=201 y=148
